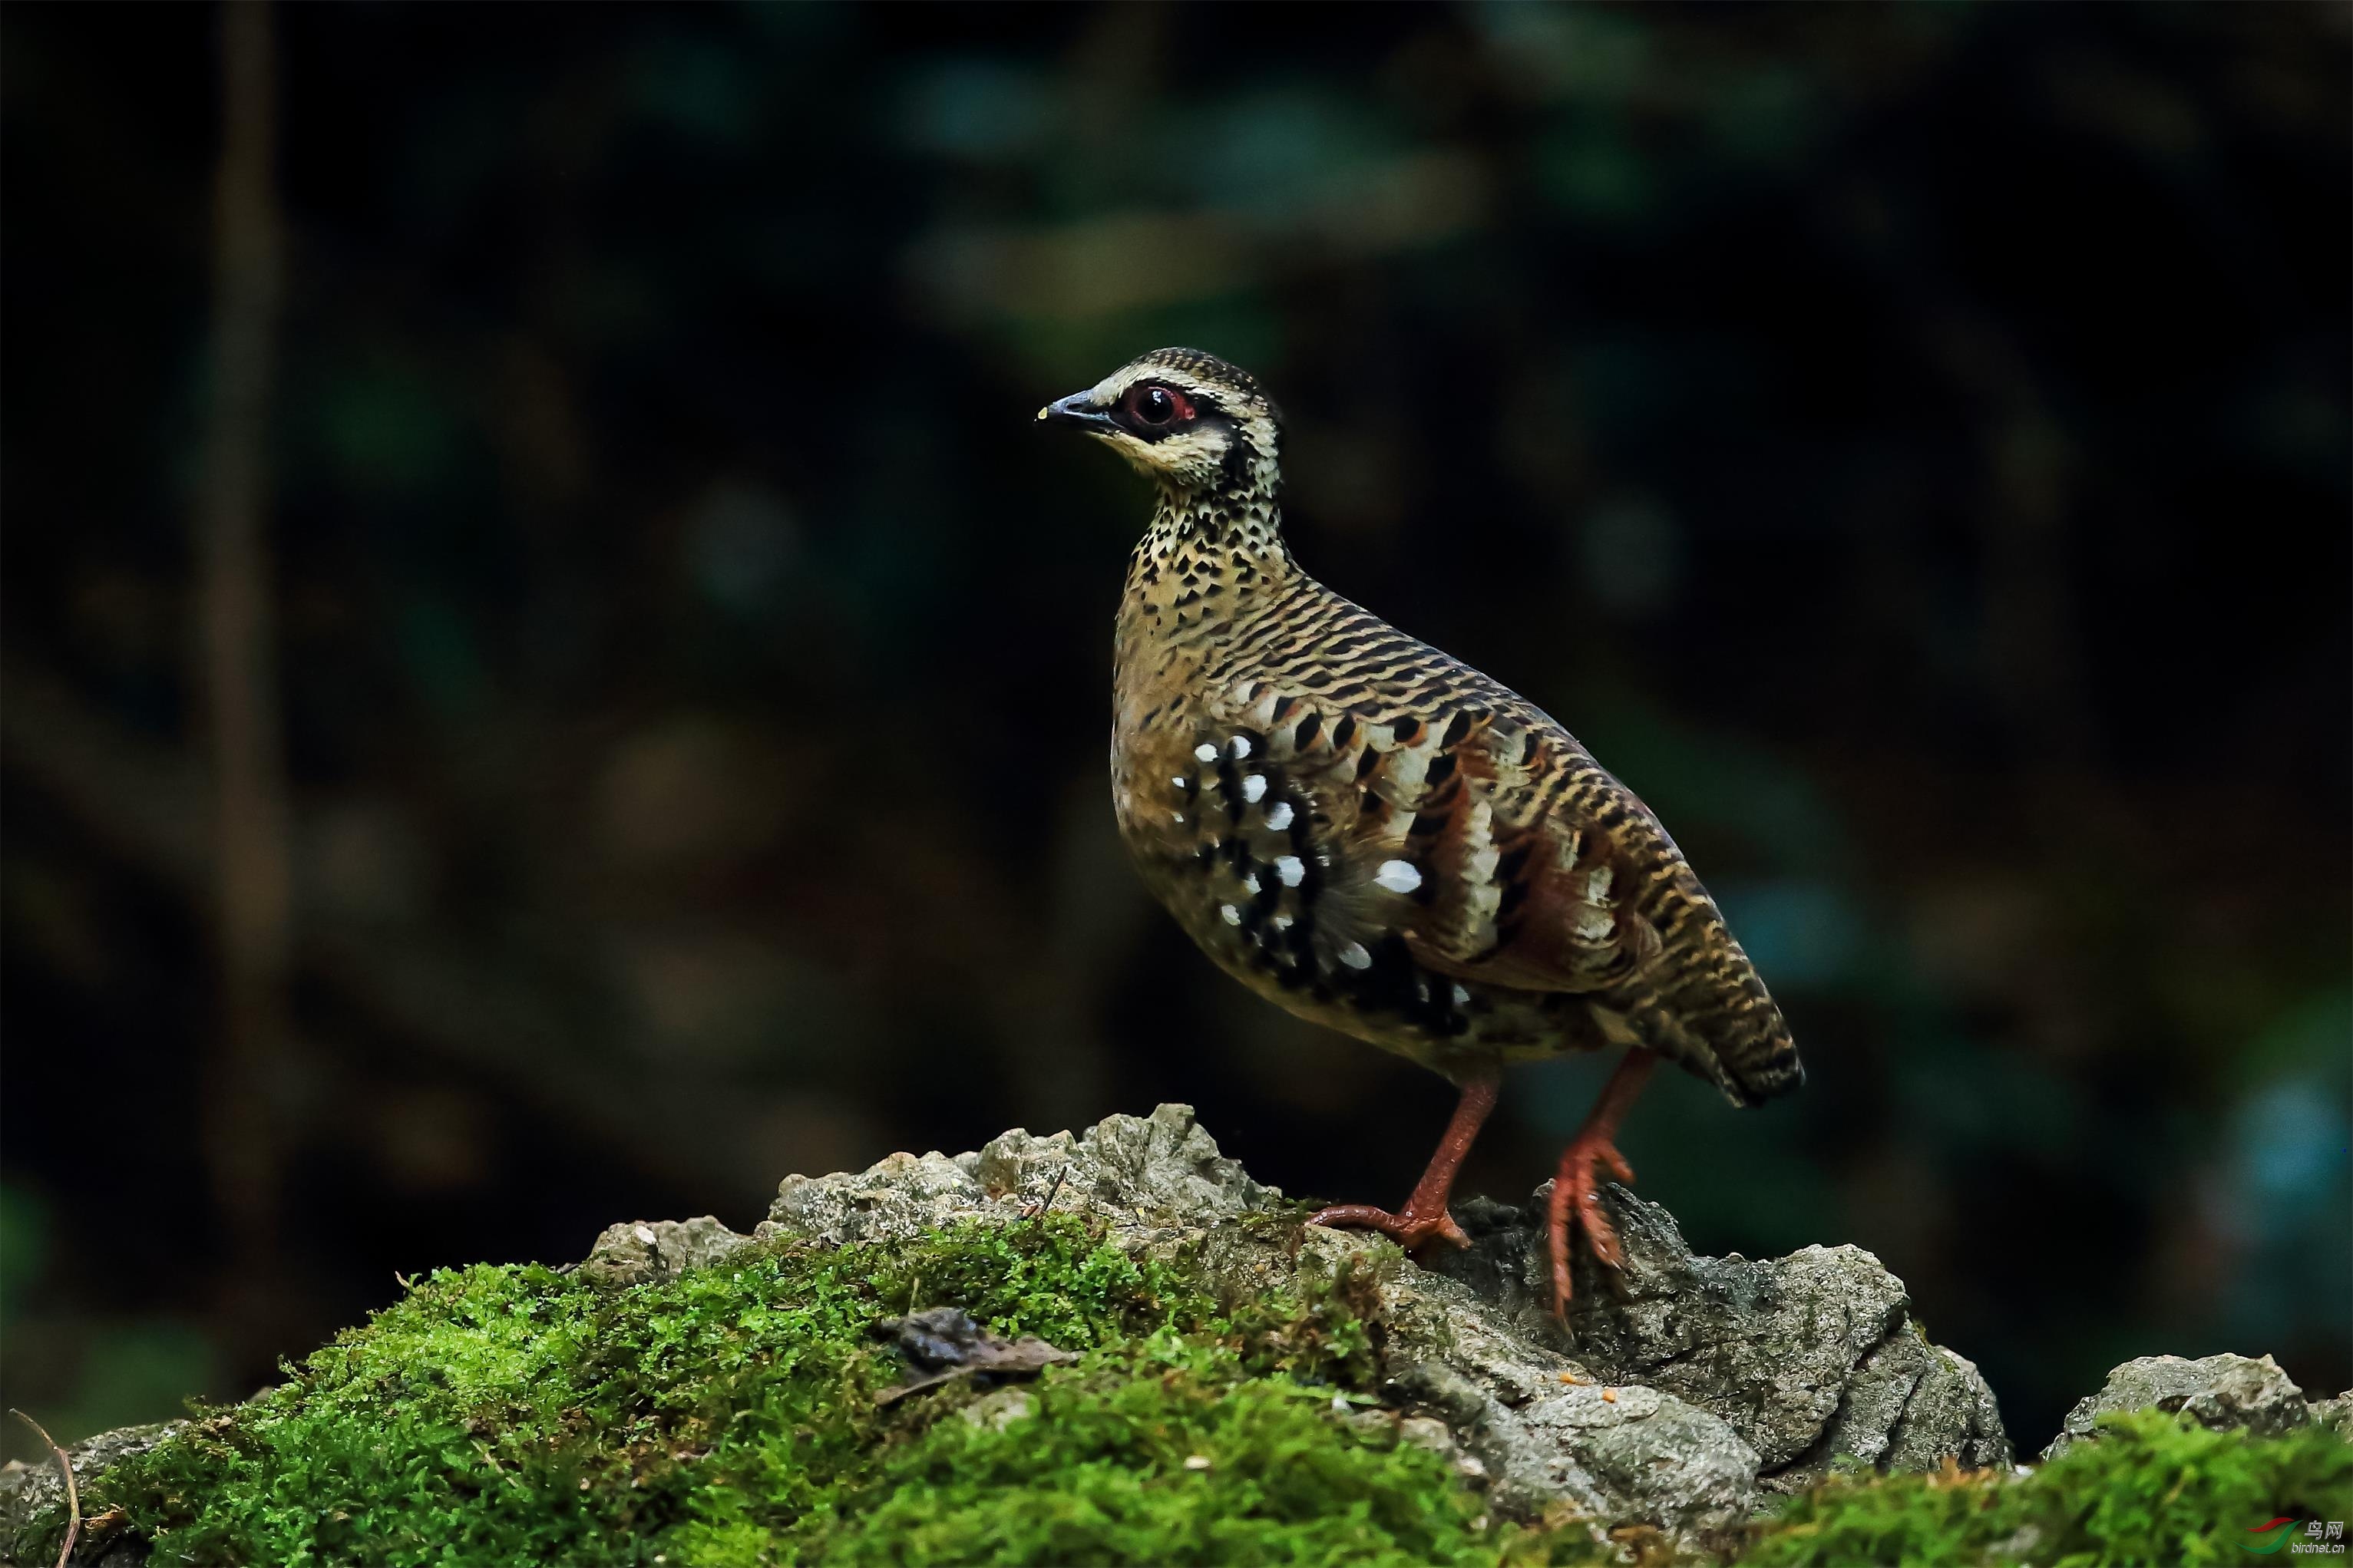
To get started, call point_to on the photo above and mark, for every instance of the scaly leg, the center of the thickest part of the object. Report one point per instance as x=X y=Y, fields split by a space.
x=1577 y=1191
x=1424 y=1214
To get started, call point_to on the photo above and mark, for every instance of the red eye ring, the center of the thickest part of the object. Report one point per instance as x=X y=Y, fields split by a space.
x=1158 y=407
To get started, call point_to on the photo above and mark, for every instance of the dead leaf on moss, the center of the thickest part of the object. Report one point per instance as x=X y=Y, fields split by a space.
x=942 y=1343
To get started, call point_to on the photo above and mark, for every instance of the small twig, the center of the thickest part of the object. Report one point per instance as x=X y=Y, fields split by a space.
x=1034 y=1210
x=914 y=1286
x=73 y=1498
x=492 y=1460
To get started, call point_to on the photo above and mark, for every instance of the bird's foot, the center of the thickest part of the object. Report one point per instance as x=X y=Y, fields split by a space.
x=1410 y=1227
x=1576 y=1201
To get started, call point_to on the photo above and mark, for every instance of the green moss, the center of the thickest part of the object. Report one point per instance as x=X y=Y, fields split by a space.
x=2154 y=1490
x=727 y=1418
x=518 y=1416
x=1172 y=1456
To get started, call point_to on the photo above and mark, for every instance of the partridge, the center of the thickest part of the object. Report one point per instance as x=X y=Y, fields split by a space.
x=1378 y=837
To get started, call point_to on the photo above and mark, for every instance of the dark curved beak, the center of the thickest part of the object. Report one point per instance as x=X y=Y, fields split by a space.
x=1076 y=409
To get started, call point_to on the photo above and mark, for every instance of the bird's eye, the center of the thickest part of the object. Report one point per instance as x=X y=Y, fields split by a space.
x=1157 y=407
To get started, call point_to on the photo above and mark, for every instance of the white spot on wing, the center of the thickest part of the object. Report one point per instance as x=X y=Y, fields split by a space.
x=1254 y=788
x=1233 y=916
x=1280 y=922
x=1178 y=780
x=1242 y=747
x=1461 y=997
x=1354 y=956
x=1279 y=818
x=1249 y=880
x=1291 y=870
x=1398 y=875
x=1206 y=752
x=1177 y=817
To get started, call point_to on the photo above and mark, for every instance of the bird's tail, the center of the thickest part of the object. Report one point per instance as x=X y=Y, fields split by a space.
x=1711 y=1013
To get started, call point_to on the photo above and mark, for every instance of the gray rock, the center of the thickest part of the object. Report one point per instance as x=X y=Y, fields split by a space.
x=1951 y=1412
x=1133 y=1171
x=1545 y=1431
x=1810 y=1358
x=1423 y=1432
x=1126 y=1167
x=2337 y=1415
x=2223 y=1392
x=1617 y=1456
x=637 y=1250
x=898 y=1196
x=28 y=1493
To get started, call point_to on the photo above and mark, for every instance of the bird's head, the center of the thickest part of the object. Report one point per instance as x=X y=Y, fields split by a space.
x=1188 y=420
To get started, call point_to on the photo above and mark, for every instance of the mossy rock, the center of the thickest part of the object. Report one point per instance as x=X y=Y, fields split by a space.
x=729 y=1415
x=1245 y=1390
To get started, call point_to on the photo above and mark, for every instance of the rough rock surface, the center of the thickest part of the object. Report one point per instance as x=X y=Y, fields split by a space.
x=1160 y=1170
x=1810 y=1358
x=2224 y=1392
x=30 y=1490
x=1543 y=1430
x=1133 y=1171
x=637 y=1250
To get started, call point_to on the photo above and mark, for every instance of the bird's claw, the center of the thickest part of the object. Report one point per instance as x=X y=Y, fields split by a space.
x=1576 y=1200
x=1409 y=1228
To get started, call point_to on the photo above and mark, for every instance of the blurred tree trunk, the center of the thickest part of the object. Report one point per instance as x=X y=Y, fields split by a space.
x=239 y=673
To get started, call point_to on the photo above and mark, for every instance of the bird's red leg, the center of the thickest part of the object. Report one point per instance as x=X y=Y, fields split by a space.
x=1424 y=1214
x=1576 y=1190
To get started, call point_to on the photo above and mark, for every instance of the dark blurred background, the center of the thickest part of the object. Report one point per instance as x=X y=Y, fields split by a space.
x=549 y=677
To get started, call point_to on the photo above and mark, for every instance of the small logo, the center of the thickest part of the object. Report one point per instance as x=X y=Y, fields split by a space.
x=2270 y=1536
x=2315 y=1539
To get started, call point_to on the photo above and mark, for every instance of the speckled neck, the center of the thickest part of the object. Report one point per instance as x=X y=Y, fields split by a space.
x=1206 y=555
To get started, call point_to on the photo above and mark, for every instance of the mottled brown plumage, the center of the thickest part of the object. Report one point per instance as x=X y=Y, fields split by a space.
x=1378 y=837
